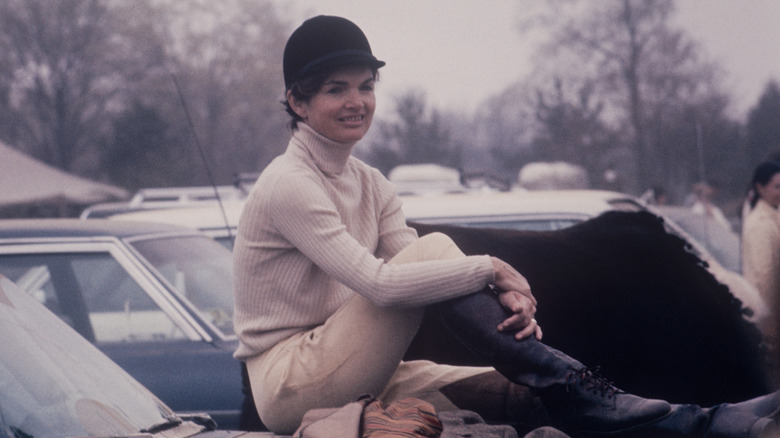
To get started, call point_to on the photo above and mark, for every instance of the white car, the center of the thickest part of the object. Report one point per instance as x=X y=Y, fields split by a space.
x=542 y=210
x=218 y=220
x=545 y=210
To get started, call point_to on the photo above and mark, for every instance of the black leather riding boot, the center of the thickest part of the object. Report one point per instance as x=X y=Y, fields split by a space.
x=576 y=400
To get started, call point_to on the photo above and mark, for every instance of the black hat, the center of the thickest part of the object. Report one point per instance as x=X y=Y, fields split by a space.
x=325 y=41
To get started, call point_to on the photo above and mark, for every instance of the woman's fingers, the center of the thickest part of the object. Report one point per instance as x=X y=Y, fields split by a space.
x=508 y=279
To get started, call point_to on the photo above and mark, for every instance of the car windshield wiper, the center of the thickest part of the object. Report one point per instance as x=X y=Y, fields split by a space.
x=172 y=421
x=204 y=420
x=168 y=423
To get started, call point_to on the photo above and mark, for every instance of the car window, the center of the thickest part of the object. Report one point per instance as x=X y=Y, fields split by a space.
x=226 y=241
x=523 y=225
x=200 y=269
x=507 y=223
x=94 y=294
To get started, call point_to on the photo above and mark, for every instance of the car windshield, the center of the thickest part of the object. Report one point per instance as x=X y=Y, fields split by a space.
x=200 y=269
x=54 y=383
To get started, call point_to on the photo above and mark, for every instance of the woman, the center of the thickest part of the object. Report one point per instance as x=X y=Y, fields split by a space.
x=331 y=283
x=761 y=232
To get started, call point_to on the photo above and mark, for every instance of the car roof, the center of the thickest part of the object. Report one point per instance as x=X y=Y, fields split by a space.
x=25 y=228
x=167 y=197
x=581 y=203
x=202 y=217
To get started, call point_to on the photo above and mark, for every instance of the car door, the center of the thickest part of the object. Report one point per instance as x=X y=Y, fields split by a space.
x=113 y=301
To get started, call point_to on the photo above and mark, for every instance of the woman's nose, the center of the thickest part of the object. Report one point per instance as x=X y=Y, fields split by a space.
x=354 y=99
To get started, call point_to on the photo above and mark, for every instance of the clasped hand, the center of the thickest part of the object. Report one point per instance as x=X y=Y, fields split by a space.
x=515 y=295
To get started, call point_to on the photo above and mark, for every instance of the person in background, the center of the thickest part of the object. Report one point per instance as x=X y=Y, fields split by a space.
x=761 y=237
x=331 y=285
x=701 y=203
x=655 y=195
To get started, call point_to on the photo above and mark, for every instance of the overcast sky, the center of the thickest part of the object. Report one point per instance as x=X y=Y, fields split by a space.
x=462 y=52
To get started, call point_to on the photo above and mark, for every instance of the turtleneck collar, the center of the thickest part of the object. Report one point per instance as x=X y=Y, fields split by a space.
x=330 y=156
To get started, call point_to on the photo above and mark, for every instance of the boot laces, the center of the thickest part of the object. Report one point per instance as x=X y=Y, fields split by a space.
x=589 y=379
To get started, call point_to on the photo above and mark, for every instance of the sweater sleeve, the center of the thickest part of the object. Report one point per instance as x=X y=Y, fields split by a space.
x=306 y=216
x=394 y=233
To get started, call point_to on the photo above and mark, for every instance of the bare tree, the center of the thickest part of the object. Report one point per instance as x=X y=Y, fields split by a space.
x=572 y=130
x=225 y=58
x=646 y=73
x=504 y=127
x=763 y=129
x=60 y=75
x=418 y=135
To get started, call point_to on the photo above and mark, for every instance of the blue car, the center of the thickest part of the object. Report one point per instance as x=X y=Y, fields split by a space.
x=157 y=299
x=54 y=383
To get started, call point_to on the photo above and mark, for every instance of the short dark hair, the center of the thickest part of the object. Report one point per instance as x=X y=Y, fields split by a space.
x=762 y=175
x=306 y=87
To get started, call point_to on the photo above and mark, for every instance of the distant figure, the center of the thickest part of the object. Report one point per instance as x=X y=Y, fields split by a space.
x=655 y=195
x=761 y=233
x=702 y=204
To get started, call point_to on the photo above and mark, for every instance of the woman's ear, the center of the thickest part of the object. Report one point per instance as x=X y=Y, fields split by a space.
x=298 y=106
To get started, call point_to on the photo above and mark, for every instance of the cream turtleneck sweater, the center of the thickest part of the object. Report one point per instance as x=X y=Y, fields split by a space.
x=761 y=250
x=318 y=227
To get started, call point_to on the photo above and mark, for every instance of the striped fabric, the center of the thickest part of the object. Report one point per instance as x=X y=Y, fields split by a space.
x=409 y=417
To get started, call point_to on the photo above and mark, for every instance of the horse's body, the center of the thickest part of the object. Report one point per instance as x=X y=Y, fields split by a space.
x=621 y=293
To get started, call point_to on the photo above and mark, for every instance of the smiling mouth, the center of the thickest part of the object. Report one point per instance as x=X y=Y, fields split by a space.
x=352 y=119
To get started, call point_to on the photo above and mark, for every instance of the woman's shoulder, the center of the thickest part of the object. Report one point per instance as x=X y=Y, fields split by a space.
x=287 y=167
x=763 y=217
x=280 y=178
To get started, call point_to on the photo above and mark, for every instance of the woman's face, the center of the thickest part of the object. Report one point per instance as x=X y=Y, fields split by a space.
x=343 y=108
x=771 y=191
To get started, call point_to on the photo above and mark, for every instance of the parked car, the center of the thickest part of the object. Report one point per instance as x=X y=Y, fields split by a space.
x=524 y=210
x=540 y=210
x=54 y=383
x=154 y=198
x=216 y=220
x=157 y=299
x=722 y=242
x=544 y=210
x=548 y=210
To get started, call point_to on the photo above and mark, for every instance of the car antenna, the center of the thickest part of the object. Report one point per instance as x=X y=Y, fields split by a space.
x=202 y=156
x=702 y=178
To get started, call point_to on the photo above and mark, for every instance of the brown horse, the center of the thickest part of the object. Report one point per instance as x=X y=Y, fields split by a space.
x=620 y=292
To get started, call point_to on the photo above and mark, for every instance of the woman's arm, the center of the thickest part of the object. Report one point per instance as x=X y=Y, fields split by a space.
x=306 y=216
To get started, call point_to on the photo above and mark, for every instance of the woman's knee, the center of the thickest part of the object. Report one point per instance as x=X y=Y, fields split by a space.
x=437 y=246
x=437 y=240
x=278 y=418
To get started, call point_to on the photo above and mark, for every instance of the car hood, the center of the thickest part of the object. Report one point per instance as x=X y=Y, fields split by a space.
x=55 y=383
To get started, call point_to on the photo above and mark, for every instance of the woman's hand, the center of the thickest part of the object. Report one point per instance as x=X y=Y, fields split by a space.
x=515 y=295
x=522 y=320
